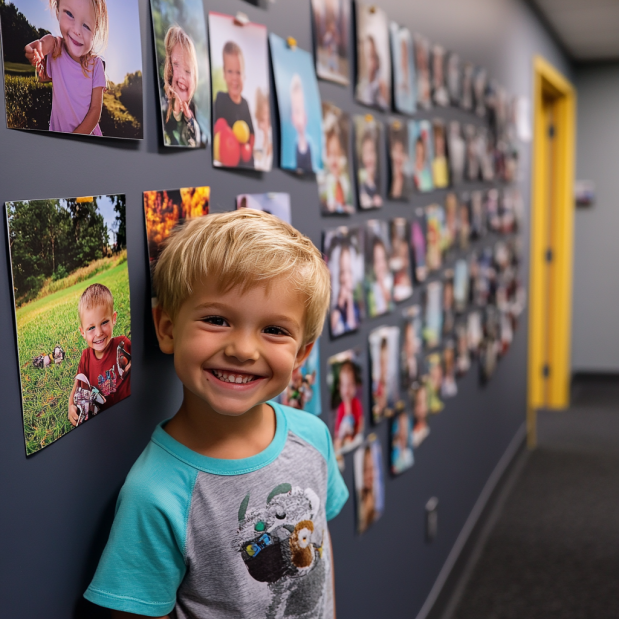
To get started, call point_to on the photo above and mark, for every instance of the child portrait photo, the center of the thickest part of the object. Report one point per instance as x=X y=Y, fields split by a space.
x=331 y=23
x=421 y=154
x=369 y=483
x=402 y=457
x=454 y=78
x=299 y=107
x=400 y=259
x=401 y=180
x=435 y=226
x=242 y=131
x=457 y=152
x=166 y=210
x=367 y=148
x=466 y=98
x=463 y=354
x=450 y=235
x=440 y=165
x=449 y=388
x=334 y=180
x=422 y=70
x=274 y=203
x=461 y=285
x=373 y=57
x=433 y=323
x=421 y=429
x=72 y=311
x=403 y=69
x=440 y=95
x=385 y=369
x=73 y=67
x=418 y=242
x=412 y=347
x=303 y=391
x=183 y=72
x=464 y=222
x=434 y=382
x=343 y=251
x=345 y=382
x=449 y=314
x=378 y=275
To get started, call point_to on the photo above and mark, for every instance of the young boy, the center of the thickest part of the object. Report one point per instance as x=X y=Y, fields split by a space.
x=106 y=362
x=231 y=106
x=299 y=122
x=225 y=512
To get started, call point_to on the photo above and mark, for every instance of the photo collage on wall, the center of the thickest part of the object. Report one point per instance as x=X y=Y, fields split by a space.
x=426 y=287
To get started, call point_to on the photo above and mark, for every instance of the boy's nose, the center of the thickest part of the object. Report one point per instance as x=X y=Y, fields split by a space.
x=243 y=348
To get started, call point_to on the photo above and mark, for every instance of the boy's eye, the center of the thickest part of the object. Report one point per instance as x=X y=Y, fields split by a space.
x=218 y=321
x=276 y=331
x=104 y=322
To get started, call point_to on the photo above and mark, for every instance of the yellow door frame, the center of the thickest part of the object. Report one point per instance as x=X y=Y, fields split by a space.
x=552 y=228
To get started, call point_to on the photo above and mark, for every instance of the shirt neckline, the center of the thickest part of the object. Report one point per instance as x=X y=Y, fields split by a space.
x=220 y=466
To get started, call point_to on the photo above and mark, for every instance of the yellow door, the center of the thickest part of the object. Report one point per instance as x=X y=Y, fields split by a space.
x=552 y=222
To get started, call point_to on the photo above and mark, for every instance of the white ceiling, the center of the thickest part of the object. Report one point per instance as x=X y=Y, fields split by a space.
x=589 y=29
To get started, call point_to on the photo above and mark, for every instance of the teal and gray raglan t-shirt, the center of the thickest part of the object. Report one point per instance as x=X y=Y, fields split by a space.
x=203 y=538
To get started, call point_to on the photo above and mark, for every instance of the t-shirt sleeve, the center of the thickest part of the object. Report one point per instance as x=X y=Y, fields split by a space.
x=143 y=563
x=98 y=75
x=337 y=492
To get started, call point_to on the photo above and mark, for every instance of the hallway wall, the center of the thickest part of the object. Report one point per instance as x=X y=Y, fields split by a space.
x=58 y=505
x=595 y=337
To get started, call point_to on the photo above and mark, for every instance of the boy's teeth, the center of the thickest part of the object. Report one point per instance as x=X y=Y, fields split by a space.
x=233 y=378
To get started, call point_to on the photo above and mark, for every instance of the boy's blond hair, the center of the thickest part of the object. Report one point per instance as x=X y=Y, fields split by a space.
x=232 y=49
x=177 y=36
x=99 y=36
x=243 y=248
x=94 y=296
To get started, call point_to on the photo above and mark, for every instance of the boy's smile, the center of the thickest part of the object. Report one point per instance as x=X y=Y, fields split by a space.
x=97 y=328
x=235 y=350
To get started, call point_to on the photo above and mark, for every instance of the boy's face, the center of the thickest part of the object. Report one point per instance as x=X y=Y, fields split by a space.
x=334 y=155
x=233 y=75
x=368 y=157
x=76 y=19
x=235 y=350
x=97 y=328
x=348 y=388
x=299 y=117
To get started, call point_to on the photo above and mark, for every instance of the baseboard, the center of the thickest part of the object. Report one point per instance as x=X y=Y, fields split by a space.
x=588 y=376
x=455 y=567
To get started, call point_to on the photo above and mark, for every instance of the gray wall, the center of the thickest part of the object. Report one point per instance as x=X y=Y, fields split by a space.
x=595 y=337
x=58 y=505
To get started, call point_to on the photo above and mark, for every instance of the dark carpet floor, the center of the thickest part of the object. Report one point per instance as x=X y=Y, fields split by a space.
x=553 y=550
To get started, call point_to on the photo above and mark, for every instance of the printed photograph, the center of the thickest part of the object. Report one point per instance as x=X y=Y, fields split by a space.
x=480 y=84
x=373 y=57
x=463 y=354
x=183 y=72
x=367 y=149
x=422 y=70
x=474 y=332
x=440 y=95
x=335 y=180
x=418 y=241
x=412 y=347
x=454 y=78
x=385 y=369
x=164 y=211
x=401 y=180
x=440 y=164
x=491 y=208
x=400 y=261
x=378 y=275
x=403 y=56
x=464 y=223
x=331 y=23
x=461 y=285
x=421 y=429
x=343 y=251
x=486 y=153
x=449 y=387
x=478 y=215
x=434 y=383
x=85 y=80
x=72 y=311
x=344 y=378
x=274 y=203
x=457 y=152
x=402 y=457
x=303 y=391
x=242 y=131
x=369 y=483
x=421 y=154
x=449 y=314
x=450 y=235
x=435 y=225
x=473 y=168
x=299 y=105
x=433 y=323
x=466 y=100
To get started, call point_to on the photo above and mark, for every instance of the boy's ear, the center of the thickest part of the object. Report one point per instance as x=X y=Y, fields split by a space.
x=165 y=330
x=303 y=354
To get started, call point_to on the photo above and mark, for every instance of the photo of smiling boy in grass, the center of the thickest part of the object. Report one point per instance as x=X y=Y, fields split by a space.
x=225 y=512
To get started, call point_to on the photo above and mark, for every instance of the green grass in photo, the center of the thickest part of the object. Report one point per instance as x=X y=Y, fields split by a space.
x=45 y=323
